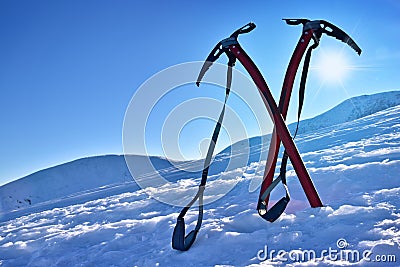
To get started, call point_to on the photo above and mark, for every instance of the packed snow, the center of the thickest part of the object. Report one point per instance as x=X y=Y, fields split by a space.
x=354 y=164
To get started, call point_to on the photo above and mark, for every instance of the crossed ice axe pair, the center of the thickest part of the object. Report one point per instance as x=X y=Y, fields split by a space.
x=312 y=30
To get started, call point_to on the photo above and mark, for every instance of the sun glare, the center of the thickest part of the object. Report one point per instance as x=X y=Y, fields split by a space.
x=332 y=67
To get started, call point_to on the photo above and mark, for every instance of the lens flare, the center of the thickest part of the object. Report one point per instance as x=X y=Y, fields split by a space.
x=332 y=67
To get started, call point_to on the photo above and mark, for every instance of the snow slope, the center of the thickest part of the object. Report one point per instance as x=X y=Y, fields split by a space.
x=82 y=176
x=355 y=167
x=349 y=110
x=63 y=180
x=89 y=174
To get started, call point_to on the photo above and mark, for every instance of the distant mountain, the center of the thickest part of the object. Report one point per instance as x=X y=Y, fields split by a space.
x=82 y=175
x=349 y=110
x=69 y=178
x=104 y=171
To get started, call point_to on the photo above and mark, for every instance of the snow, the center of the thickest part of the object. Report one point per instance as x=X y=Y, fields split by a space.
x=351 y=109
x=89 y=213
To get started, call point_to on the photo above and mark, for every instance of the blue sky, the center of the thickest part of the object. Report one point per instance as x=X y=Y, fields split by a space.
x=68 y=69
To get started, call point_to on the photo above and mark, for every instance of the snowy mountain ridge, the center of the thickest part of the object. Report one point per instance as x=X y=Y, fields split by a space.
x=349 y=110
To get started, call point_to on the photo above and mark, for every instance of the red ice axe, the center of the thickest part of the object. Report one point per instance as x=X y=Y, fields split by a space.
x=312 y=30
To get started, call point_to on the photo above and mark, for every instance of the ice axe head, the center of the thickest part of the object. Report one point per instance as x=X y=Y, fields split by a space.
x=322 y=26
x=223 y=47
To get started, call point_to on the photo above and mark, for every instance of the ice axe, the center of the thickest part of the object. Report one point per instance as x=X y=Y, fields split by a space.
x=312 y=30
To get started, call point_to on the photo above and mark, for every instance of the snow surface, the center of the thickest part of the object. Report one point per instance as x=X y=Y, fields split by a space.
x=355 y=166
x=91 y=174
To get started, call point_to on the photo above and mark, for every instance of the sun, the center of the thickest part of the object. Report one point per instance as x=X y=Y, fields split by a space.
x=332 y=66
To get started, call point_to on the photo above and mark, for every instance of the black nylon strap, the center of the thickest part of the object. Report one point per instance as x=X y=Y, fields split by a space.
x=303 y=80
x=276 y=211
x=179 y=240
x=279 y=207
